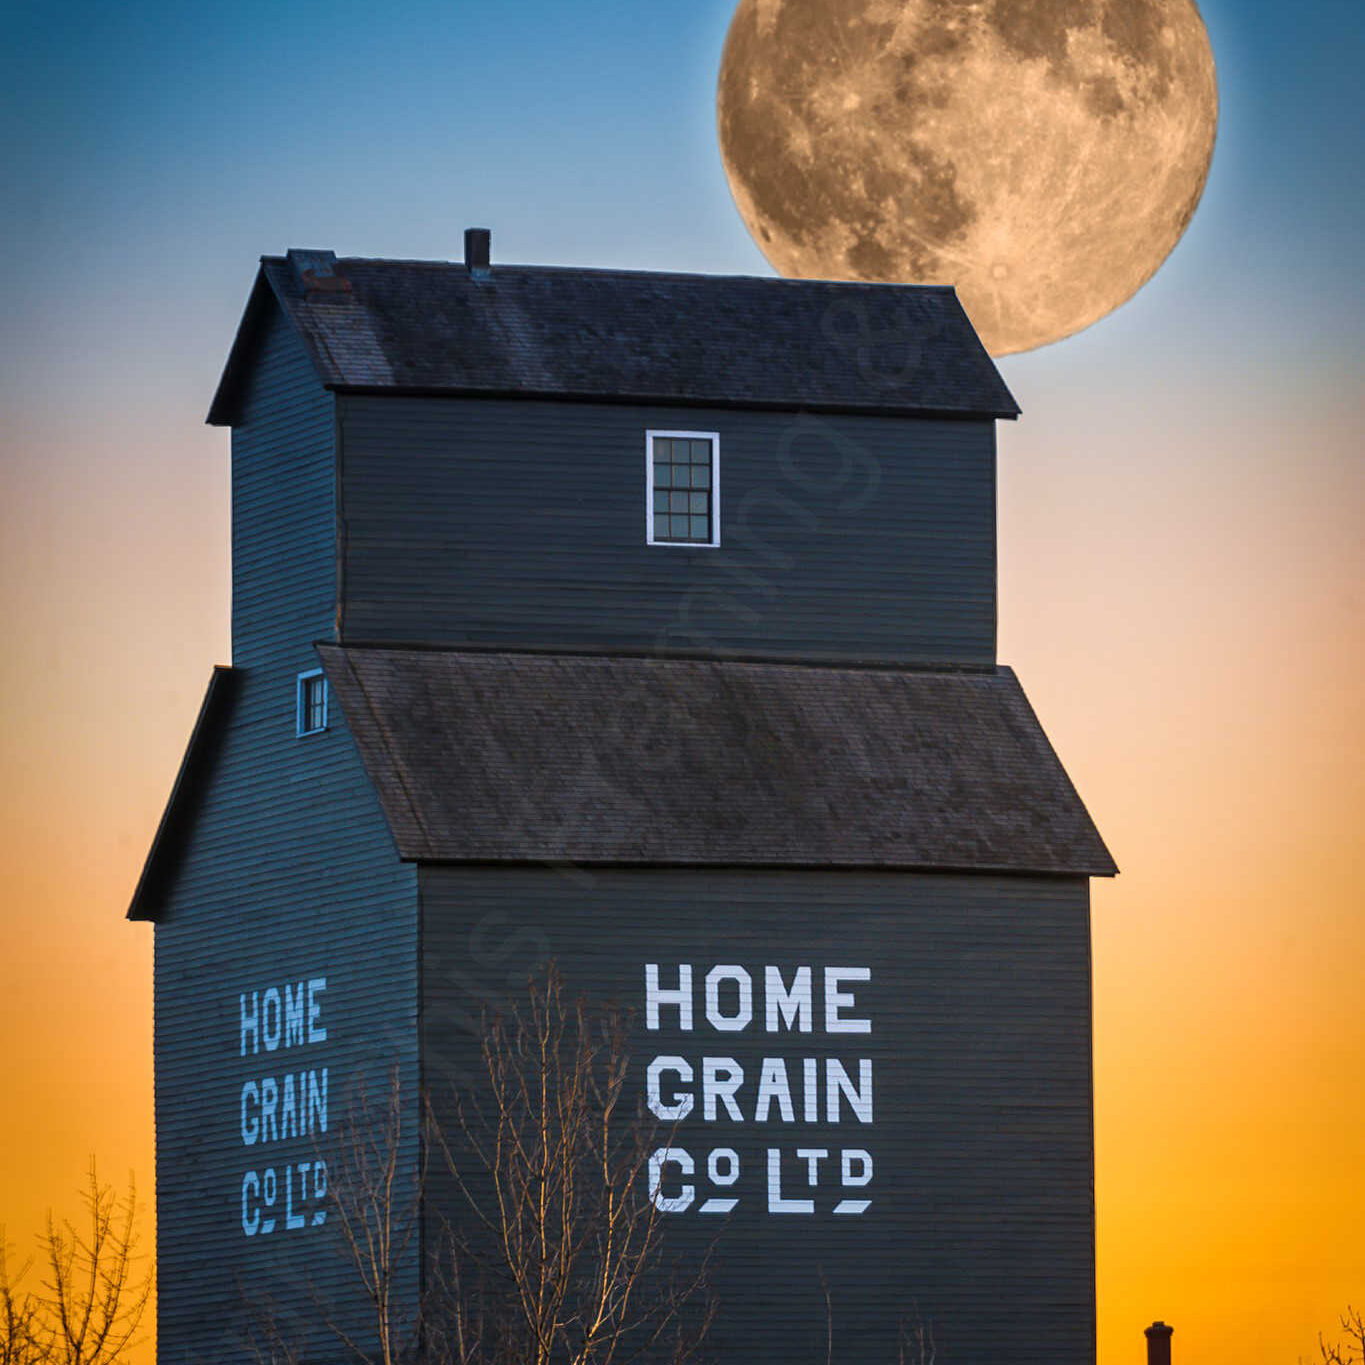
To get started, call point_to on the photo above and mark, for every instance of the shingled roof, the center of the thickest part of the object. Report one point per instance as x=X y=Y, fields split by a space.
x=437 y=327
x=589 y=759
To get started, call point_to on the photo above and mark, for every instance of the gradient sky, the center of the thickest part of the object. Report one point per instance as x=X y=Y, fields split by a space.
x=1181 y=554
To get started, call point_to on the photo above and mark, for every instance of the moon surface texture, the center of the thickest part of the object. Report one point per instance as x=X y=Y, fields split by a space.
x=1043 y=156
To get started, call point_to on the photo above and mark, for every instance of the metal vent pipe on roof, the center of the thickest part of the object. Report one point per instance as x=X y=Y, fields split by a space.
x=478 y=249
x=1158 y=1343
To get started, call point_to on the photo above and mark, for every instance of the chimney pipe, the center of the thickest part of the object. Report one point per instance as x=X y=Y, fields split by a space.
x=1158 y=1343
x=478 y=246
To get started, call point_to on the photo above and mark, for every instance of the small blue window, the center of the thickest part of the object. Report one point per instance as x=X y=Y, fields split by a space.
x=312 y=702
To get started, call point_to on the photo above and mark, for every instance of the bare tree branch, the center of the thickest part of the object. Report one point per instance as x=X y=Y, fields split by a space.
x=23 y=1338
x=91 y=1303
x=1351 y=1350
x=564 y=1263
x=556 y=1257
x=916 y=1345
x=377 y=1205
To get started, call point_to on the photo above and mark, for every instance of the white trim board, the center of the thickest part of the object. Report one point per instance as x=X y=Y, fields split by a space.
x=714 y=438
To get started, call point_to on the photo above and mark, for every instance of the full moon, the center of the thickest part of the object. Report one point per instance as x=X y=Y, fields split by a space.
x=1043 y=156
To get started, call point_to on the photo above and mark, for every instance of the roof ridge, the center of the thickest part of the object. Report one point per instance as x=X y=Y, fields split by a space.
x=643 y=273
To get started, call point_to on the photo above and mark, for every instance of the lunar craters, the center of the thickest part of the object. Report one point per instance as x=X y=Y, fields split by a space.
x=1042 y=155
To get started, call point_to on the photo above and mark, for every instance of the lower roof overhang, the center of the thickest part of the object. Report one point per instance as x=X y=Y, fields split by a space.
x=483 y=756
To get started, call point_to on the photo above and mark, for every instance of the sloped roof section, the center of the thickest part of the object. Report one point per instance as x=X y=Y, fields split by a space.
x=634 y=336
x=589 y=759
x=196 y=770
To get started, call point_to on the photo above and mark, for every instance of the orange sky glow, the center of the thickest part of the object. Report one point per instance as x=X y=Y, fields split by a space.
x=1195 y=655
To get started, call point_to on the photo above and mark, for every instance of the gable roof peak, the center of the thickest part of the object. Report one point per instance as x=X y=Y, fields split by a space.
x=607 y=335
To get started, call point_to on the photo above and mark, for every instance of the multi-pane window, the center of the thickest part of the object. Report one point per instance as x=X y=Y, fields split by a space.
x=312 y=702
x=683 y=494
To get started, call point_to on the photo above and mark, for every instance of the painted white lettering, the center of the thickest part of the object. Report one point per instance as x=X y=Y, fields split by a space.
x=319 y=1191
x=721 y=1077
x=293 y=1015
x=316 y=1032
x=772 y=1085
x=272 y=1019
x=722 y=1166
x=292 y=1220
x=810 y=1084
x=269 y=1193
x=677 y=1106
x=837 y=1000
x=251 y=1213
x=289 y=1108
x=794 y=1007
x=863 y=1175
x=317 y=1102
x=251 y=1023
x=838 y=1082
x=744 y=1012
x=676 y=1203
x=283 y=1108
x=251 y=1123
x=656 y=996
x=812 y=1156
x=776 y=1203
x=270 y=1096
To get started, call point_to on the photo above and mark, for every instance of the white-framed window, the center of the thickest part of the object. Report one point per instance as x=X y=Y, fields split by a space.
x=312 y=702
x=682 y=488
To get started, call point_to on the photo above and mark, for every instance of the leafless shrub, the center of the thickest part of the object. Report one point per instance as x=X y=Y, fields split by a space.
x=95 y=1297
x=916 y=1346
x=556 y=1255
x=562 y=1259
x=22 y=1339
x=268 y=1336
x=914 y=1339
x=1350 y=1350
x=89 y=1306
x=374 y=1206
x=376 y=1201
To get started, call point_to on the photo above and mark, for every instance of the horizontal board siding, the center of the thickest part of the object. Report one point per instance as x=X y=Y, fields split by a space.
x=523 y=524
x=289 y=874
x=982 y=1199
x=283 y=508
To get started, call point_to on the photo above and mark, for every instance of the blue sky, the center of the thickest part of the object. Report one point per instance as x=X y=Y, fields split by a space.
x=161 y=147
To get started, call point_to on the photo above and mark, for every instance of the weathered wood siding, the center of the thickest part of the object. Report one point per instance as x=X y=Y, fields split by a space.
x=514 y=523
x=522 y=523
x=289 y=876
x=981 y=1208
x=283 y=508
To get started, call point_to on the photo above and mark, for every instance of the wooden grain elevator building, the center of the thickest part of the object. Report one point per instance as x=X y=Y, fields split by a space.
x=645 y=623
